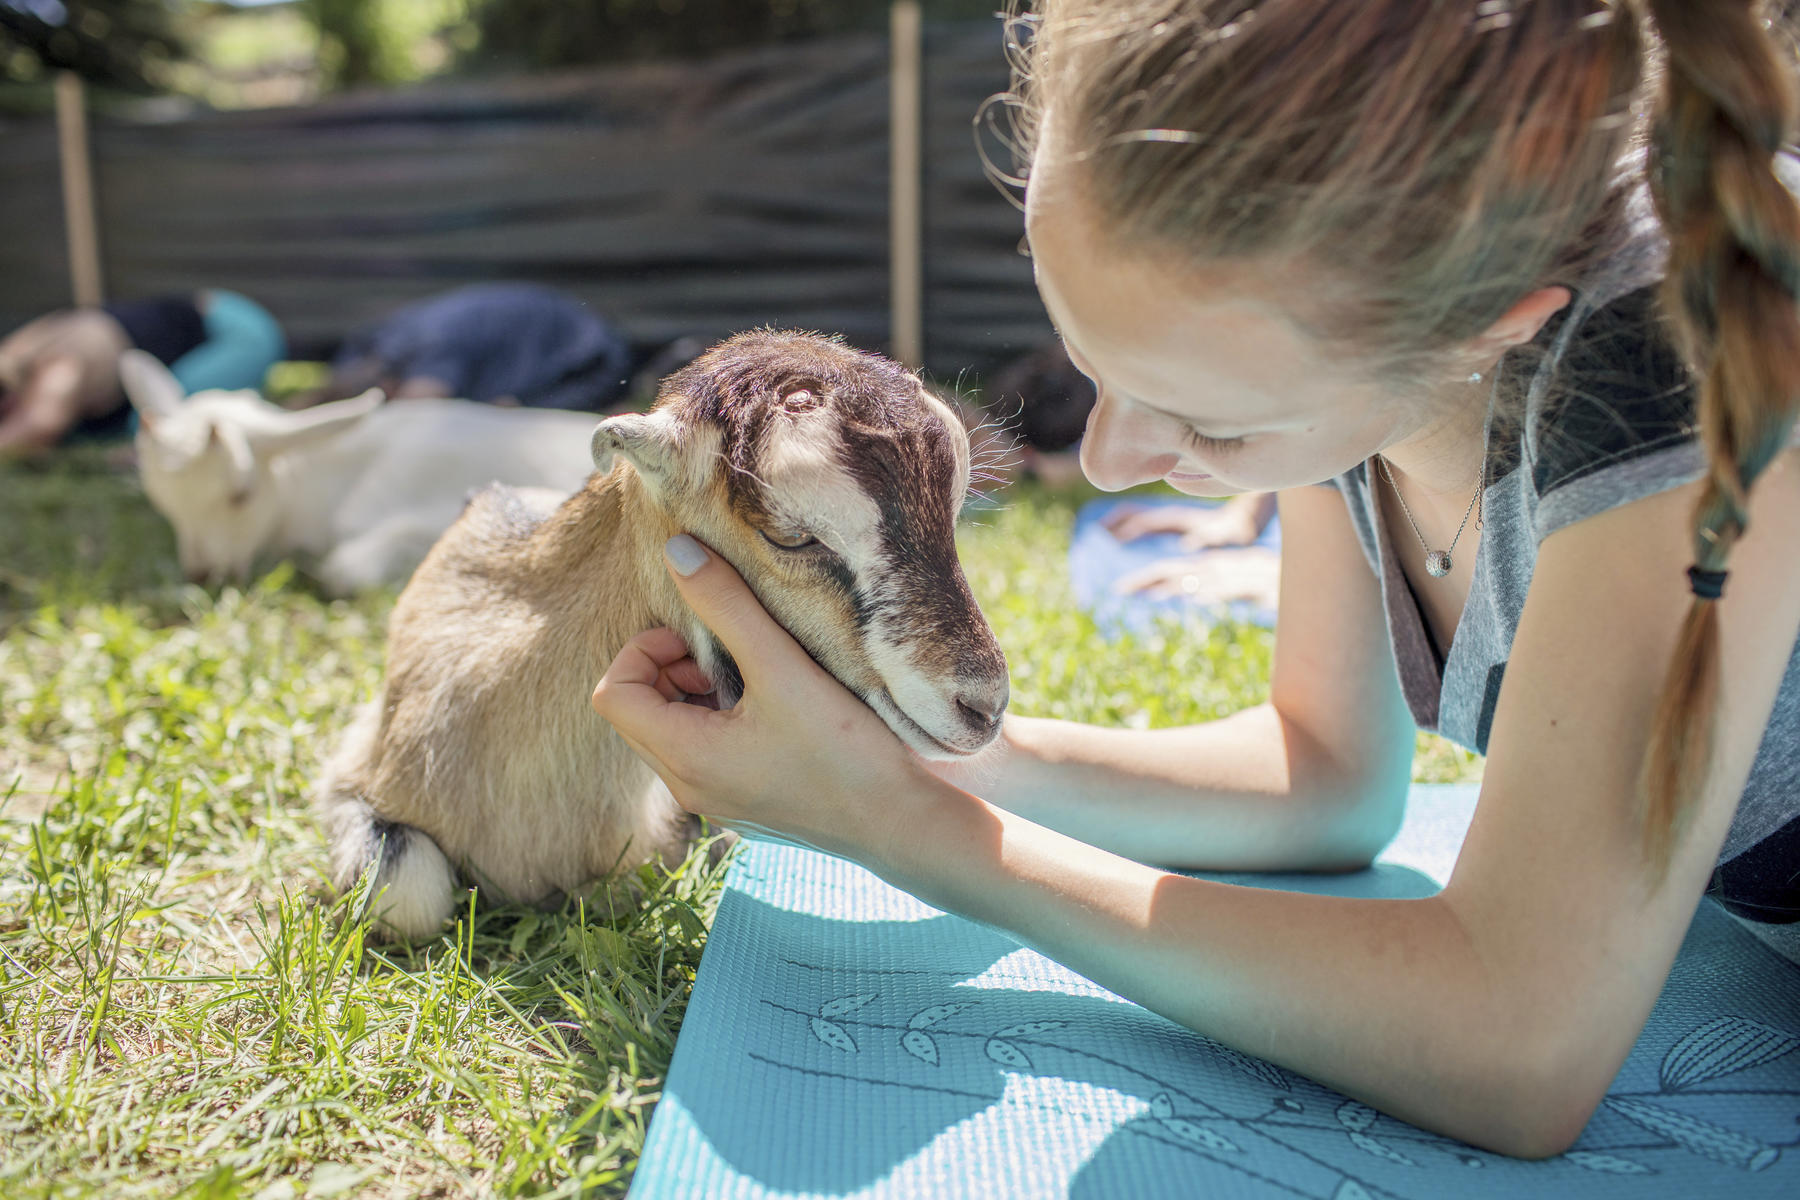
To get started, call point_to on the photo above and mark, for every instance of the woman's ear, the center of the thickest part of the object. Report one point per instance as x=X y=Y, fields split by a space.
x=1519 y=324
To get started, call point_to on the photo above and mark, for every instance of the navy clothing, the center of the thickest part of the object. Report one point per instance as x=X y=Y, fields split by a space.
x=1763 y=883
x=533 y=344
x=1608 y=418
x=165 y=326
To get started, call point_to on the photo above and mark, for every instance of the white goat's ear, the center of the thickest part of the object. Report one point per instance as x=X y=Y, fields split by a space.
x=152 y=390
x=238 y=458
x=646 y=440
x=271 y=430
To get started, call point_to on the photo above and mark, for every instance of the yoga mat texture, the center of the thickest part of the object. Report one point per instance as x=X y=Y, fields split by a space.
x=844 y=1039
x=1098 y=560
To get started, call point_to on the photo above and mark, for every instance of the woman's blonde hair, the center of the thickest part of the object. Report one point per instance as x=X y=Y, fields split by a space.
x=1426 y=165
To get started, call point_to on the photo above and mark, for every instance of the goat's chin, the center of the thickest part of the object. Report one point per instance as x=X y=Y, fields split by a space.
x=918 y=739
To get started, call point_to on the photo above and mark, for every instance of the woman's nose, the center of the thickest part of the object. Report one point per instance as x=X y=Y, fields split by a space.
x=1123 y=448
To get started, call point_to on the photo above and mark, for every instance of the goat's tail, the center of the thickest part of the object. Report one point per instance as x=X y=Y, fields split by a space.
x=413 y=887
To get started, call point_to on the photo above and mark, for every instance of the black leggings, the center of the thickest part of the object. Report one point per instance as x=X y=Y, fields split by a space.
x=1763 y=883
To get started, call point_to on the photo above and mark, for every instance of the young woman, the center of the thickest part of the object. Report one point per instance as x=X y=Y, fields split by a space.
x=1394 y=246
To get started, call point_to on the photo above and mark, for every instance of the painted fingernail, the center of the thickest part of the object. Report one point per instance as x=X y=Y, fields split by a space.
x=685 y=554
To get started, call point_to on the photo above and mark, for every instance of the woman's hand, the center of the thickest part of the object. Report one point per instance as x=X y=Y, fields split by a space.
x=799 y=758
x=1247 y=573
x=1237 y=522
x=1200 y=528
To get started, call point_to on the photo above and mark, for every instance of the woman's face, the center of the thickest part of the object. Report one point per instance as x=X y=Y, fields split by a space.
x=1202 y=384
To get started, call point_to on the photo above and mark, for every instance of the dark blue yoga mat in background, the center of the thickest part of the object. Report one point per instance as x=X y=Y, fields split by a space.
x=844 y=1039
x=1098 y=560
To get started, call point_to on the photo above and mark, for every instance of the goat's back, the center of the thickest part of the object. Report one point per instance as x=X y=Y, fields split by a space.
x=431 y=454
x=485 y=739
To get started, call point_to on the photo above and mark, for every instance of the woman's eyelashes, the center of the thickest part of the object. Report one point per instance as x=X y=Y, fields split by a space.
x=1210 y=445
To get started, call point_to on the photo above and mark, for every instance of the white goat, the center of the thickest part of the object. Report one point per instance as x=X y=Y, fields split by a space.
x=829 y=478
x=363 y=486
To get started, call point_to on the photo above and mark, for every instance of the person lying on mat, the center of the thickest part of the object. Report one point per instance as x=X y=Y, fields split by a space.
x=1402 y=250
x=509 y=344
x=59 y=373
x=1232 y=569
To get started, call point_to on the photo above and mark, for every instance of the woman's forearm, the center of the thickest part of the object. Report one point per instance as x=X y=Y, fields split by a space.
x=1385 y=1000
x=1247 y=792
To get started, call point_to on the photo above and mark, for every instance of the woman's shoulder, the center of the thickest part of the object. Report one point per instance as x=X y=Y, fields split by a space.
x=1609 y=403
x=1615 y=391
x=1609 y=411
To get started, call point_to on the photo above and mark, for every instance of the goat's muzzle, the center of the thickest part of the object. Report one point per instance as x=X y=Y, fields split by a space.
x=982 y=706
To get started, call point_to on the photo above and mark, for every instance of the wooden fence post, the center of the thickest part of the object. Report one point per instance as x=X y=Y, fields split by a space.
x=906 y=194
x=78 y=189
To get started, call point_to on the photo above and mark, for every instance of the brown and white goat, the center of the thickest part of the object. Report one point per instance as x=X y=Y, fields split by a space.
x=829 y=478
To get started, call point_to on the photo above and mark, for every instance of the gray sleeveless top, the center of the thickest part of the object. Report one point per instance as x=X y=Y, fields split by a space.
x=1608 y=420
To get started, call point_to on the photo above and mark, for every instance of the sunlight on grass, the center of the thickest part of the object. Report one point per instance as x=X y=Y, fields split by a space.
x=183 y=1008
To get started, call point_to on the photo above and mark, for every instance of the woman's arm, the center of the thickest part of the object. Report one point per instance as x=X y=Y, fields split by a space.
x=1498 y=1011
x=1313 y=778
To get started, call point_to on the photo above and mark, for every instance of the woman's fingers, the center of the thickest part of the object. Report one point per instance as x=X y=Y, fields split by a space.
x=1217 y=577
x=1195 y=577
x=1129 y=523
x=678 y=674
x=726 y=605
x=687 y=678
x=637 y=697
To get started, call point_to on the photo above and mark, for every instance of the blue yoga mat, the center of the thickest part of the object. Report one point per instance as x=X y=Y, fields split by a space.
x=1098 y=560
x=844 y=1039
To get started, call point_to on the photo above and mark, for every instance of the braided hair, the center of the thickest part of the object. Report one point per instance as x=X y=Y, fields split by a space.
x=1727 y=108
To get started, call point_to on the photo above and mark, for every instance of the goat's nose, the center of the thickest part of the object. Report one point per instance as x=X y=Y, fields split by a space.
x=982 y=707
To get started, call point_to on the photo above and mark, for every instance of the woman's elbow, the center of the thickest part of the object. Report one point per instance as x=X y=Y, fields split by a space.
x=1543 y=1100
x=1361 y=823
x=1541 y=1129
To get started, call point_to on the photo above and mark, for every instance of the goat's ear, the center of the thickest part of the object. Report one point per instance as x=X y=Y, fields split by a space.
x=271 y=430
x=153 y=391
x=646 y=440
x=238 y=457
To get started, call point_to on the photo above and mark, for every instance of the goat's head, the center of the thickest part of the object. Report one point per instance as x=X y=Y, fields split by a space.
x=831 y=479
x=204 y=462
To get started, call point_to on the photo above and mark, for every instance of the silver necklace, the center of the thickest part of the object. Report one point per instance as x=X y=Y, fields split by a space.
x=1437 y=562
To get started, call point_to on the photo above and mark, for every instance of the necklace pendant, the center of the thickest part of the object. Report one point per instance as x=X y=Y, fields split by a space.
x=1437 y=563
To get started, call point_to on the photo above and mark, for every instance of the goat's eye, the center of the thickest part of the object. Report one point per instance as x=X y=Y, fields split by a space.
x=798 y=541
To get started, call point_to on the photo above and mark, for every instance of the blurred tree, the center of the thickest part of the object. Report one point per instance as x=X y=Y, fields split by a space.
x=126 y=44
x=552 y=33
x=373 y=40
x=233 y=52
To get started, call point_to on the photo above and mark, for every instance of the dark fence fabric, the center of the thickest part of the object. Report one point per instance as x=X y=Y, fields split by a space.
x=682 y=198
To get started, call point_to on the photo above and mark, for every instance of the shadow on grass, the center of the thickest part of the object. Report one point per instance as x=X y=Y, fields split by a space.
x=77 y=529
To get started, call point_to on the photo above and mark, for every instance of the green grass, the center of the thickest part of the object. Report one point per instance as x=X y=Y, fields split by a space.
x=183 y=1008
